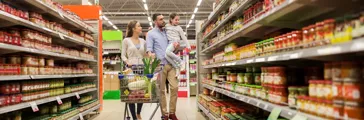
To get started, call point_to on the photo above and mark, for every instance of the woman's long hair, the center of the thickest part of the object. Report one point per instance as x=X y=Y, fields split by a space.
x=129 y=28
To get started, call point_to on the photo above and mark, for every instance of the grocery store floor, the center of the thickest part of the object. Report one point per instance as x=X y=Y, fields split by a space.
x=186 y=110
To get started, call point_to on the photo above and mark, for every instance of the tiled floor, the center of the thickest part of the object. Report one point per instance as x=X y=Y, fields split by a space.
x=186 y=110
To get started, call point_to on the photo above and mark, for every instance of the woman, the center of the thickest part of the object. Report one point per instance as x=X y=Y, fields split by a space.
x=133 y=51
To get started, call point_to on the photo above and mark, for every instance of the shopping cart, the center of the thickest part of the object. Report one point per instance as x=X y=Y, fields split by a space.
x=136 y=87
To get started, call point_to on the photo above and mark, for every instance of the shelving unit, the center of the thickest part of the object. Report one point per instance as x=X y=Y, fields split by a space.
x=76 y=117
x=286 y=112
x=59 y=15
x=192 y=62
x=30 y=77
x=207 y=112
x=274 y=21
x=15 y=107
x=73 y=26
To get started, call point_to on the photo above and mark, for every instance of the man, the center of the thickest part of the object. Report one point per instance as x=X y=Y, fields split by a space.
x=157 y=43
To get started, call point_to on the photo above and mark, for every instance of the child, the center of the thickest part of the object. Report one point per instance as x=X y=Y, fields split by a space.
x=177 y=41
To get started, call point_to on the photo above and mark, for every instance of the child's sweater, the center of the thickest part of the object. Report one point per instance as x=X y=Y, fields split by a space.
x=175 y=33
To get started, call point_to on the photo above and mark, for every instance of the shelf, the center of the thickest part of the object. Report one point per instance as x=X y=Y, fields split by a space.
x=19 y=106
x=284 y=16
x=237 y=11
x=207 y=112
x=286 y=111
x=44 y=8
x=112 y=62
x=215 y=13
x=249 y=26
x=76 y=117
x=355 y=45
x=19 y=21
x=111 y=52
x=28 y=77
x=41 y=52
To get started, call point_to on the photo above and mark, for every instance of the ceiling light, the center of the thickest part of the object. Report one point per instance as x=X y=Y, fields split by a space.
x=105 y=18
x=188 y=25
x=150 y=23
x=110 y=22
x=190 y=22
x=145 y=6
x=89 y=3
x=199 y=2
x=193 y=16
x=114 y=27
x=144 y=1
x=195 y=11
x=149 y=19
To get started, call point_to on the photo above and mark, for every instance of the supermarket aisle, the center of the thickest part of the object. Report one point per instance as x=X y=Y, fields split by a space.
x=186 y=110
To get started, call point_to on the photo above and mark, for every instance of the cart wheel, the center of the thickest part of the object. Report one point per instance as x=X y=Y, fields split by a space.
x=128 y=118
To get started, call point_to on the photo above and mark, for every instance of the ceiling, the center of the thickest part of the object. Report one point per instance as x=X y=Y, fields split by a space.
x=120 y=12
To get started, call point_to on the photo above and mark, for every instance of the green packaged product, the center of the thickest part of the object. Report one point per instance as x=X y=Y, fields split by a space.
x=248 y=78
x=230 y=117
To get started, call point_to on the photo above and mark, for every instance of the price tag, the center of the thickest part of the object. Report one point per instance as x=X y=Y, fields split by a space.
x=266 y=106
x=61 y=36
x=274 y=114
x=31 y=77
x=272 y=58
x=34 y=106
x=77 y=95
x=299 y=117
x=293 y=56
x=250 y=61
x=59 y=101
x=81 y=116
x=258 y=103
x=260 y=60
x=232 y=95
x=60 y=14
x=213 y=90
x=113 y=62
x=248 y=101
x=105 y=53
x=329 y=50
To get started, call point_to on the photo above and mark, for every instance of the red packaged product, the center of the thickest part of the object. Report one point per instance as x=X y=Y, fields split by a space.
x=4 y=100
x=15 y=99
x=7 y=8
x=2 y=36
x=2 y=6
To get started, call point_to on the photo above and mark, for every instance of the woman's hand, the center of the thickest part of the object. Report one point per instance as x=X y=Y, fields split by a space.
x=128 y=64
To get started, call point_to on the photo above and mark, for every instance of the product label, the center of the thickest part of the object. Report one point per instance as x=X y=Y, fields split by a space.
x=321 y=110
x=351 y=92
x=59 y=101
x=329 y=111
x=77 y=95
x=61 y=36
x=312 y=91
x=81 y=116
x=34 y=106
x=291 y=101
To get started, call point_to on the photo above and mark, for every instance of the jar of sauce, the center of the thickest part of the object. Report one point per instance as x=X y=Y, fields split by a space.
x=353 y=111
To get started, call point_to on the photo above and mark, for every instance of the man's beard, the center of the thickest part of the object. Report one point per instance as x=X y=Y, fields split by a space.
x=162 y=25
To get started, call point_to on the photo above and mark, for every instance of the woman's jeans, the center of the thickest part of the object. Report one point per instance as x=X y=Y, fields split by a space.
x=132 y=109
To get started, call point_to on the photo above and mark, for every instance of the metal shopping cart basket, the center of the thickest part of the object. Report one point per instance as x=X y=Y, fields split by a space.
x=137 y=87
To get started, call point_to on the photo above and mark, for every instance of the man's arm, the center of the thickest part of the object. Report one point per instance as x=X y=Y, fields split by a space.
x=150 y=44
